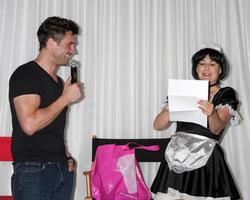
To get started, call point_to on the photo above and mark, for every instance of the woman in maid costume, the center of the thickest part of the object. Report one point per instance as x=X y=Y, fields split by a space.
x=195 y=167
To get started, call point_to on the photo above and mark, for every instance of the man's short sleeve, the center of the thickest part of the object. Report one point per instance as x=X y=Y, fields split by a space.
x=23 y=81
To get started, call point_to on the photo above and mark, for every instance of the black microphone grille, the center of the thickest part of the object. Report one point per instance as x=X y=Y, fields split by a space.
x=74 y=63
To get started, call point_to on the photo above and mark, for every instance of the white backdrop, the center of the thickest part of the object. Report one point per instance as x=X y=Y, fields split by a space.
x=128 y=50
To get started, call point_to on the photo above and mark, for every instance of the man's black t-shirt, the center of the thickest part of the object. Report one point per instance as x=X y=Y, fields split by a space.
x=46 y=144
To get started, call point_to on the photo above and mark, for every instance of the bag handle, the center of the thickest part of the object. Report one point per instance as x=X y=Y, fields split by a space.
x=139 y=146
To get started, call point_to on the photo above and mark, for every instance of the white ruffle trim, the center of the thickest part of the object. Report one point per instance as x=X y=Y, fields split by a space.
x=236 y=118
x=176 y=195
x=164 y=104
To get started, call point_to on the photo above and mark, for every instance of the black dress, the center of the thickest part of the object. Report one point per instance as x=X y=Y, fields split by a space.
x=212 y=180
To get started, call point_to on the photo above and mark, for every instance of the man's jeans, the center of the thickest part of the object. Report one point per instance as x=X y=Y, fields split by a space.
x=41 y=181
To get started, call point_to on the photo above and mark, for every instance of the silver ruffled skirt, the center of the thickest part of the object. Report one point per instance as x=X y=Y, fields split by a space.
x=186 y=151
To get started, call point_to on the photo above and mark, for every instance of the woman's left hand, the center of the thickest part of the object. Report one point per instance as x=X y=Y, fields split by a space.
x=206 y=107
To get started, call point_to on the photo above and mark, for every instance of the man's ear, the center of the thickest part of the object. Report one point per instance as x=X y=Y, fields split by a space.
x=51 y=42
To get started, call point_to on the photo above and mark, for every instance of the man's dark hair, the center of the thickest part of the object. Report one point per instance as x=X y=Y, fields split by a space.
x=55 y=27
x=214 y=55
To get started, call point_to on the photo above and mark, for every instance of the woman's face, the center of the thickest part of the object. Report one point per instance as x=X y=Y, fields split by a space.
x=208 y=69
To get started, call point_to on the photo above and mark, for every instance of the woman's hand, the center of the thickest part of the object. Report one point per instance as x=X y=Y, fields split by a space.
x=206 y=107
x=217 y=118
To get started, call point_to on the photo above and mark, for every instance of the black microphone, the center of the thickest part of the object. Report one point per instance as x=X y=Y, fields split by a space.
x=74 y=64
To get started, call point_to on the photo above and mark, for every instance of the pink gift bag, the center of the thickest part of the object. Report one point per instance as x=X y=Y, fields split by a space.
x=116 y=174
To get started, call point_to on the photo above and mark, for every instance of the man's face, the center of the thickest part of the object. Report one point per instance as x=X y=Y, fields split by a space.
x=65 y=49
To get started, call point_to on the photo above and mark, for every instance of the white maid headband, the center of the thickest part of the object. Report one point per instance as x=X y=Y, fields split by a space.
x=211 y=46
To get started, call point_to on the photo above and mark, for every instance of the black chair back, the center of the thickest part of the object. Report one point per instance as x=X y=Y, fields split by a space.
x=141 y=155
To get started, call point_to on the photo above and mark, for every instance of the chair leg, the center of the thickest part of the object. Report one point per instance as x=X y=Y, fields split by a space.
x=88 y=185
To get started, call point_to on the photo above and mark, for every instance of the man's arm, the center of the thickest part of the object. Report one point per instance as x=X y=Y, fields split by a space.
x=32 y=118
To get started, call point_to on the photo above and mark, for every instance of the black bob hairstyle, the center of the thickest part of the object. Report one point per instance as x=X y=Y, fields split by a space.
x=214 y=55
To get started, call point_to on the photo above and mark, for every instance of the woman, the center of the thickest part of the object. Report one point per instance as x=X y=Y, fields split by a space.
x=195 y=167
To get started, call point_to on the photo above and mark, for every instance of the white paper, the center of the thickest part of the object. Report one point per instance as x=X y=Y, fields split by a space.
x=126 y=165
x=183 y=96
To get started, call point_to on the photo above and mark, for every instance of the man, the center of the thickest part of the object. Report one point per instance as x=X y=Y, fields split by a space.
x=38 y=101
